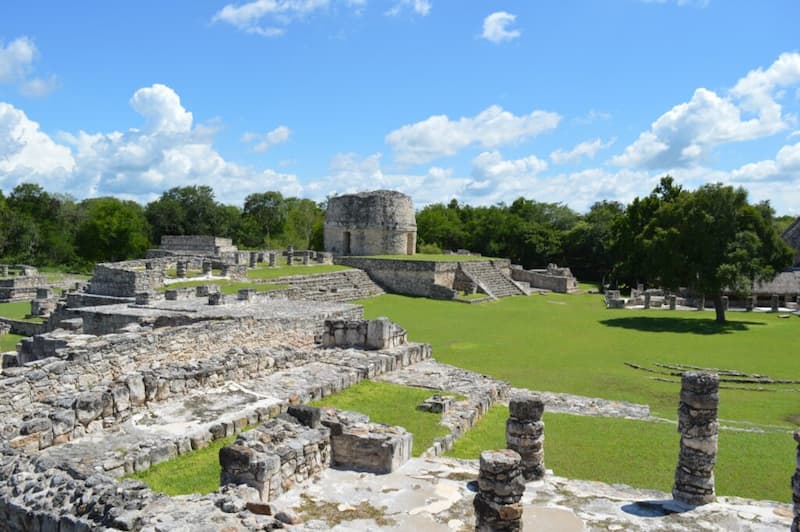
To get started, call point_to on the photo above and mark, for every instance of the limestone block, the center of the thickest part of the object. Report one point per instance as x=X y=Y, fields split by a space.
x=136 y=390
x=89 y=406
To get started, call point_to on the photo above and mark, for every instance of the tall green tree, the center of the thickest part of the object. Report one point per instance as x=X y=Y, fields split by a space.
x=265 y=213
x=188 y=210
x=712 y=240
x=112 y=230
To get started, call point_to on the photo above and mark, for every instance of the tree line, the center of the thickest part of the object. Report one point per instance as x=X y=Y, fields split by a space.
x=709 y=240
x=48 y=229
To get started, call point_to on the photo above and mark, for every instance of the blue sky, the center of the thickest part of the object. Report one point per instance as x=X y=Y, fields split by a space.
x=484 y=101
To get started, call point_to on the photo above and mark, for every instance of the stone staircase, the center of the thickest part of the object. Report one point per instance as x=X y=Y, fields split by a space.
x=491 y=280
x=335 y=287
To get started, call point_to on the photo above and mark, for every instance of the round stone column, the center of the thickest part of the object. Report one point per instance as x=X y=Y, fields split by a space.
x=698 y=426
x=500 y=488
x=525 y=434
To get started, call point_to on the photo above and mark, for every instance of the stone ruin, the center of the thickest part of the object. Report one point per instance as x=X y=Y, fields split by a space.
x=18 y=282
x=552 y=278
x=381 y=222
x=500 y=488
x=525 y=434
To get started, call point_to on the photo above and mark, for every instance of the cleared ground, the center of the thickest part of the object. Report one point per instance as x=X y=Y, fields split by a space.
x=17 y=310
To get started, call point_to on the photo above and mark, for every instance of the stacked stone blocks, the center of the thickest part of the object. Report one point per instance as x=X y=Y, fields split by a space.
x=698 y=427
x=525 y=434
x=500 y=488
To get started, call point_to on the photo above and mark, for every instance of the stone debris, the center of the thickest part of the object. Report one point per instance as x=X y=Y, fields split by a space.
x=525 y=434
x=500 y=488
x=698 y=426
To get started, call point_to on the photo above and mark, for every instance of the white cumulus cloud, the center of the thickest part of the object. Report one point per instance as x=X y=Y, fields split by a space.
x=264 y=141
x=268 y=18
x=496 y=27
x=16 y=68
x=419 y=7
x=136 y=163
x=587 y=149
x=687 y=133
x=439 y=136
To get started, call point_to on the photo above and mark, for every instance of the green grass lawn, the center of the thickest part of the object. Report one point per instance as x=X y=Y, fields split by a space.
x=438 y=257
x=194 y=472
x=226 y=286
x=571 y=343
x=644 y=454
x=8 y=342
x=17 y=310
x=394 y=405
x=265 y=272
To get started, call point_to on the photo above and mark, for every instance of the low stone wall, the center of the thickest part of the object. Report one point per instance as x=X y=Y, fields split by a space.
x=547 y=280
x=121 y=280
x=410 y=277
x=38 y=495
x=24 y=328
x=380 y=333
x=276 y=456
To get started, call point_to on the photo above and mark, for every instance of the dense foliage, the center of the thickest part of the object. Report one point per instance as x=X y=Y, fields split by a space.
x=44 y=229
x=611 y=243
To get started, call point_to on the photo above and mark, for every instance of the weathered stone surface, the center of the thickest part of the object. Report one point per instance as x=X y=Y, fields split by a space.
x=500 y=488
x=698 y=426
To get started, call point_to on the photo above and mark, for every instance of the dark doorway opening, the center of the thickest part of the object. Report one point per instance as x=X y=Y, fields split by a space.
x=346 y=244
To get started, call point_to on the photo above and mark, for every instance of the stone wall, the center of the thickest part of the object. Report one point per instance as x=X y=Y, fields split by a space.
x=380 y=333
x=24 y=328
x=196 y=244
x=121 y=280
x=409 y=277
x=371 y=223
x=553 y=278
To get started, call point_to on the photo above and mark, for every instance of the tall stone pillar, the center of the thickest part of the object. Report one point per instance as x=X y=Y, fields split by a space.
x=207 y=267
x=698 y=426
x=673 y=301
x=500 y=488
x=271 y=259
x=253 y=259
x=725 y=303
x=774 y=303
x=289 y=256
x=646 y=300
x=749 y=303
x=525 y=434
x=796 y=486
x=305 y=258
x=181 y=269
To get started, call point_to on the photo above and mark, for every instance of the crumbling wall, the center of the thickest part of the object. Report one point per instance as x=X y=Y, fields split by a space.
x=120 y=280
x=409 y=277
x=553 y=278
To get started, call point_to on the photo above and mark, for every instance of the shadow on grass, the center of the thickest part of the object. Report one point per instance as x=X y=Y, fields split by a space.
x=679 y=325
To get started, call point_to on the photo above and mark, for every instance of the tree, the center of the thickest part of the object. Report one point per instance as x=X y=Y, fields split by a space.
x=265 y=212
x=712 y=240
x=303 y=216
x=112 y=230
x=589 y=244
x=185 y=211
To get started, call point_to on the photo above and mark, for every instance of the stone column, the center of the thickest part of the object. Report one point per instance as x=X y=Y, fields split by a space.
x=774 y=303
x=698 y=426
x=181 y=269
x=701 y=303
x=225 y=270
x=253 y=259
x=725 y=303
x=215 y=298
x=646 y=300
x=289 y=256
x=796 y=487
x=500 y=488
x=305 y=258
x=673 y=301
x=208 y=267
x=5 y=270
x=271 y=259
x=260 y=256
x=525 y=434
x=749 y=303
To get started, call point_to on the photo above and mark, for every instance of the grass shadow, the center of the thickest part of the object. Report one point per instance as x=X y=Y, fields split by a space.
x=679 y=325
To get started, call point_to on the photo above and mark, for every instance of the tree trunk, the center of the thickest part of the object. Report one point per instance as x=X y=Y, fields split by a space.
x=718 y=309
